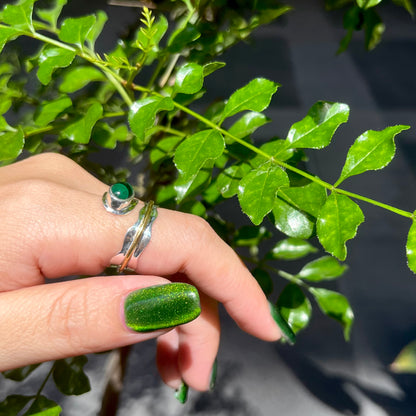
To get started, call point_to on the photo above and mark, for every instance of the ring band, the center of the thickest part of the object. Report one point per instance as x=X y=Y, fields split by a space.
x=119 y=199
x=138 y=236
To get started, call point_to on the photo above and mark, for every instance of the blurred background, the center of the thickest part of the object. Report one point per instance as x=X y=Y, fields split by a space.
x=321 y=375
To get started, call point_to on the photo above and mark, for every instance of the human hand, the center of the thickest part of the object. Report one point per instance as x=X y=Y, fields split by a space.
x=54 y=224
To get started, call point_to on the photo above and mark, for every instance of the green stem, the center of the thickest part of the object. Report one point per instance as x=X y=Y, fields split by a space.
x=42 y=386
x=291 y=278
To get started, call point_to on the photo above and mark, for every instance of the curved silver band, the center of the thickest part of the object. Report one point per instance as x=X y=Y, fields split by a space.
x=116 y=205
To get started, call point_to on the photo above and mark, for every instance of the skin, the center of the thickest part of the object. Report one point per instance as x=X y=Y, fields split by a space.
x=54 y=225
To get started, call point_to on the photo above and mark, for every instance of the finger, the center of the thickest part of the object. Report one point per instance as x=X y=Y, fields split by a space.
x=77 y=317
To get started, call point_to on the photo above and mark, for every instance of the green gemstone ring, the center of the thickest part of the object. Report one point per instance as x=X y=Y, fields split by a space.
x=120 y=198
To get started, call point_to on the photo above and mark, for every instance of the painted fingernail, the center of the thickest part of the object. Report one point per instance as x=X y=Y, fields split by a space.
x=213 y=377
x=285 y=328
x=181 y=393
x=164 y=306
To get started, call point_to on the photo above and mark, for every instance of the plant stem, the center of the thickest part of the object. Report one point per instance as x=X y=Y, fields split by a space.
x=42 y=386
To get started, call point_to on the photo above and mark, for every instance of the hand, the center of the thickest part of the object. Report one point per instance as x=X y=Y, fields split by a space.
x=54 y=225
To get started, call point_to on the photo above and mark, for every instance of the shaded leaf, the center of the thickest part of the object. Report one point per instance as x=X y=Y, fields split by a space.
x=48 y=111
x=164 y=149
x=315 y=131
x=407 y=4
x=372 y=150
x=336 y=306
x=80 y=130
x=255 y=96
x=6 y=34
x=229 y=179
x=189 y=78
x=76 y=78
x=291 y=249
x=374 y=29
x=42 y=406
x=52 y=58
x=13 y=404
x=142 y=114
x=51 y=15
x=196 y=150
x=324 y=268
x=411 y=248
x=248 y=124
x=264 y=280
x=181 y=37
x=338 y=221
x=250 y=236
x=107 y=136
x=11 y=144
x=211 y=67
x=405 y=362
x=257 y=190
x=19 y=374
x=76 y=29
x=366 y=4
x=69 y=376
x=19 y=15
x=294 y=307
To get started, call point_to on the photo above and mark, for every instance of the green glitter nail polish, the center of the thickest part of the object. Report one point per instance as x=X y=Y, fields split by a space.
x=164 y=306
x=182 y=393
x=285 y=328
x=213 y=377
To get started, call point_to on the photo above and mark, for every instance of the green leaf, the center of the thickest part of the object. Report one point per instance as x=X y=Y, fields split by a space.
x=51 y=15
x=411 y=247
x=19 y=374
x=315 y=131
x=248 y=124
x=366 y=4
x=211 y=67
x=285 y=328
x=255 y=96
x=163 y=150
x=76 y=29
x=7 y=33
x=96 y=29
x=42 y=406
x=52 y=58
x=276 y=149
x=107 y=136
x=294 y=307
x=264 y=280
x=407 y=4
x=336 y=306
x=48 y=111
x=12 y=405
x=189 y=78
x=196 y=150
x=76 y=78
x=181 y=37
x=324 y=268
x=229 y=179
x=11 y=144
x=80 y=130
x=373 y=150
x=142 y=114
x=291 y=249
x=19 y=15
x=257 y=190
x=338 y=222
x=374 y=29
x=69 y=376
x=250 y=236
x=405 y=362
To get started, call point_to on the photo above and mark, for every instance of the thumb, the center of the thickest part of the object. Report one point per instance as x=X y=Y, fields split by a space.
x=58 y=320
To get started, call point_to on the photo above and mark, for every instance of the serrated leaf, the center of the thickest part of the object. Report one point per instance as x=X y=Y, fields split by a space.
x=19 y=15
x=196 y=150
x=6 y=34
x=142 y=114
x=80 y=130
x=189 y=78
x=291 y=249
x=373 y=150
x=19 y=374
x=76 y=29
x=11 y=144
x=315 y=131
x=276 y=149
x=366 y=4
x=257 y=190
x=324 y=268
x=76 y=78
x=13 y=404
x=42 y=406
x=255 y=96
x=229 y=179
x=51 y=58
x=69 y=376
x=96 y=29
x=51 y=15
x=294 y=307
x=337 y=223
x=411 y=247
x=336 y=306
x=211 y=67
x=405 y=362
x=48 y=111
x=264 y=280
x=248 y=124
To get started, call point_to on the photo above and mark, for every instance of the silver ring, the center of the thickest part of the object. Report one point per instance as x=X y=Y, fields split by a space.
x=138 y=235
x=119 y=199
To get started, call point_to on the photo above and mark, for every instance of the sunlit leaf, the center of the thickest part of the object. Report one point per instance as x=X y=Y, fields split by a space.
x=211 y=67
x=181 y=37
x=295 y=307
x=257 y=190
x=405 y=362
x=276 y=149
x=48 y=111
x=6 y=34
x=19 y=15
x=291 y=249
x=51 y=58
x=248 y=124
x=336 y=306
x=372 y=150
x=366 y=4
x=11 y=144
x=76 y=29
x=411 y=248
x=315 y=131
x=76 y=78
x=324 y=268
x=43 y=406
x=51 y=15
x=338 y=221
x=107 y=136
x=69 y=375
x=189 y=78
x=96 y=29
x=229 y=179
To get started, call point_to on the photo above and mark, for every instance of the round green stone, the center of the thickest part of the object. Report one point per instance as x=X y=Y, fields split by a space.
x=122 y=190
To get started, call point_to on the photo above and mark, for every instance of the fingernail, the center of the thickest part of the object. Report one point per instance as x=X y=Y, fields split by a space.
x=182 y=393
x=285 y=328
x=213 y=377
x=164 y=306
